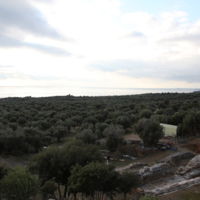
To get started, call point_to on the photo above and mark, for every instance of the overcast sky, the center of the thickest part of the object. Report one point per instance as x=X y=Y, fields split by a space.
x=100 y=43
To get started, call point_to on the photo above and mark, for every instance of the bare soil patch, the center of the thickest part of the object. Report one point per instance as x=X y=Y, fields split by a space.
x=193 y=145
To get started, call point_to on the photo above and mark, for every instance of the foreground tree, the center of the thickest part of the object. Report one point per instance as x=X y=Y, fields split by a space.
x=94 y=180
x=127 y=182
x=191 y=123
x=149 y=131
x=19 y=184
x=56 y=163
x=48 y=189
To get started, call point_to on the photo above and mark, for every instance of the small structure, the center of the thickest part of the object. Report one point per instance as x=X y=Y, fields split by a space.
x=169 y=130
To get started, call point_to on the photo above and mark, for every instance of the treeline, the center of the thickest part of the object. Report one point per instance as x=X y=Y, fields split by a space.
x=28 y=124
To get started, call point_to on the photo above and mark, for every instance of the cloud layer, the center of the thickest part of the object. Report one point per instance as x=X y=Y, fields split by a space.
x=18 y=20
x=97 y=43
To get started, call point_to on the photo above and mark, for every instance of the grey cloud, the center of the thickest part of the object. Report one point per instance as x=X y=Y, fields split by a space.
x=182 y=70
x=9 y=41
x=21 y=15
x=194 y=78
x=48 y=49
x=194 y=38
x=44 y=1
x=13 y=42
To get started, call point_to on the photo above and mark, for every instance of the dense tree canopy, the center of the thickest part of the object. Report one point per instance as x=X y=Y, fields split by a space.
x=37 y=121
x=149 y=131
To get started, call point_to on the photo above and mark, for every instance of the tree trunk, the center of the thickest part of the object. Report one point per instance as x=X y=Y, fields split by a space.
x=59 y=190
x=124 y=196
x=65 y=192
x=68 y=195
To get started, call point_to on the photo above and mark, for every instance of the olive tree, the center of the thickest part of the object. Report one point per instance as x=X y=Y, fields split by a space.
x=191 y=123
x=19 y=184
x=94 y=180
x=127 y=182
x=114 y=135
x=87 y=136
x=56 y=163
x=149 y=131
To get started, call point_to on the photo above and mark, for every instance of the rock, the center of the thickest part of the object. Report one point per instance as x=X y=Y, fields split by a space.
x=181 y=169
x=155 y=168
x=176 y=157
x=144 y=169
x=194 y=173
x=139 y=190
x=155 y=172
x=195 y=161
x=173 y=187
x=193 y=164
x=130 y=166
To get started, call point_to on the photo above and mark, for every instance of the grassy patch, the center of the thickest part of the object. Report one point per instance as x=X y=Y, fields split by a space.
x=190 y=196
